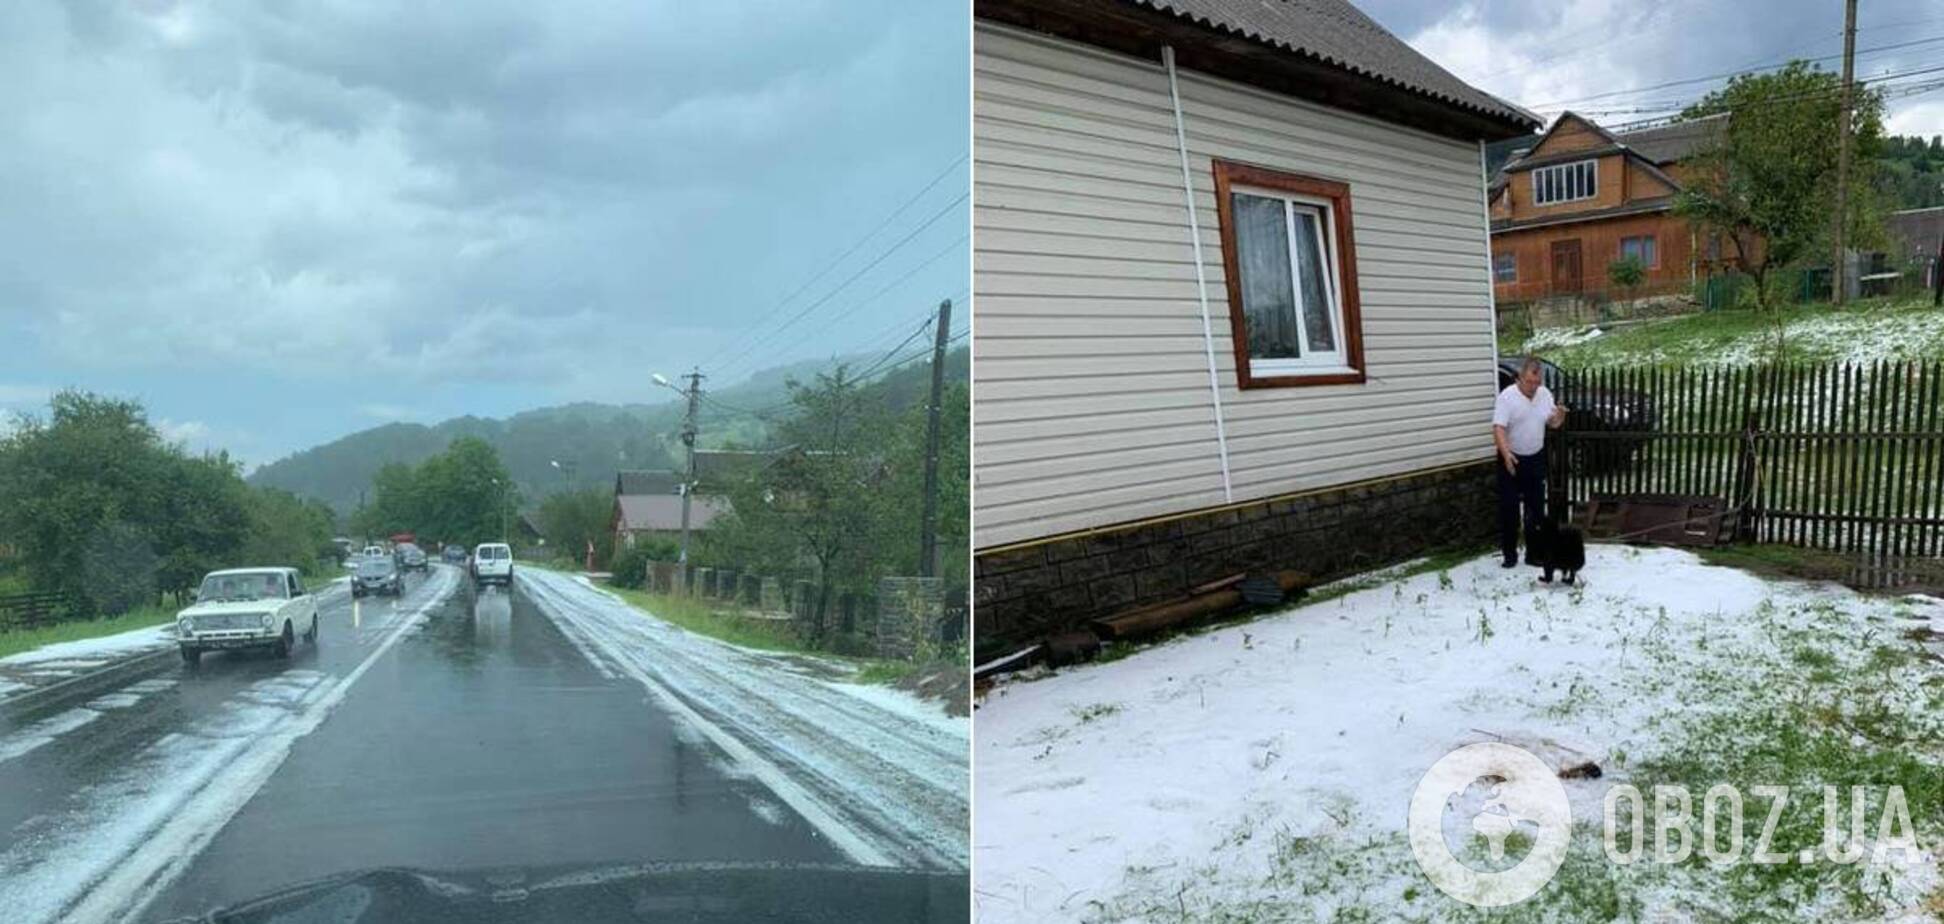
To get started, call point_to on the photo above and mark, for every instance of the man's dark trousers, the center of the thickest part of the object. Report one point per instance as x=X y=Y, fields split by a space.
x=1526 y=488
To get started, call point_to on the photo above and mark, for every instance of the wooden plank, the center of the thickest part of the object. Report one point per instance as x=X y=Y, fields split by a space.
x=1933 y=541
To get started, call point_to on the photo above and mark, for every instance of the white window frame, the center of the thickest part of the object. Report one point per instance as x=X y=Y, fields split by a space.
x=1311 y=362
x=1559 y=178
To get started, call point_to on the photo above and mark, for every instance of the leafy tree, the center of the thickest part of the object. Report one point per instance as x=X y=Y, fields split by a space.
x=288 y=530
x=902 y=493
x=1768 y=184
x=572 y=520
x=76 y=486
x=1626 y=273
x=204 y=522
x=455 y=496
x=99 y=507
x=810 y=511
x=1911 y=172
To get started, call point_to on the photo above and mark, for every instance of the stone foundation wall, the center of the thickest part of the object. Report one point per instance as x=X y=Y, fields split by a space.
x=1025 y=592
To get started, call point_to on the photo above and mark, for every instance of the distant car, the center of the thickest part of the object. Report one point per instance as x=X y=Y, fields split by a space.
x=247 y=608
x=373 y=551
x=455 y=554
x=412 y=558
x=377 y=574
x=1594 y=409
x=492 y=563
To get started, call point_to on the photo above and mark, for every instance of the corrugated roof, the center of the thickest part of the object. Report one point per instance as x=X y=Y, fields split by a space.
x=664 y=511
x=647 y=481
x=718 y=467
x=1665 y=144
x=1339 y=34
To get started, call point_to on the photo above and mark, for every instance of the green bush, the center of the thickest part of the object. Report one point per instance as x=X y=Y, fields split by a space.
x=629 y=565
x=1626 y=272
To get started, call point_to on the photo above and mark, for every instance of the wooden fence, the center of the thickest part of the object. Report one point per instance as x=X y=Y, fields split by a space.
x=32 y=610
x=1844 y=457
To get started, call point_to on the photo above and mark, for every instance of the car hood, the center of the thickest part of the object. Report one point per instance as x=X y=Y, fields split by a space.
x=234 y=606
x=647 y=893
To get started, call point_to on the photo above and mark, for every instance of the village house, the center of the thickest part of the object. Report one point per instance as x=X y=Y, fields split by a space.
x=1577 y=199
x=1234 y=301
x=648 y=502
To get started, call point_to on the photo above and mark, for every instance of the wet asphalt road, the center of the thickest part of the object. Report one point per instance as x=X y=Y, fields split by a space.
x=472 y=735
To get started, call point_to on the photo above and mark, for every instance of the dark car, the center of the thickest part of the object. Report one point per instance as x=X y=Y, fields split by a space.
x=1596 y=410
x=377 y=574
x=454 y=554
x=412 y=558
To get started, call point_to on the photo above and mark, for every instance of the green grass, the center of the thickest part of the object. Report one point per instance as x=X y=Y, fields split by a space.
x=720 y=623
x=704 y=618
x=1873 y=329
x=29 y=639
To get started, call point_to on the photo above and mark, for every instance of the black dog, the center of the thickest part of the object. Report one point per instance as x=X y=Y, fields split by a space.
x=1553 y=546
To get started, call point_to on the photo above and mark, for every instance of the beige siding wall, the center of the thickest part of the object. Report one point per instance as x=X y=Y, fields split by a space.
x=1092 y=400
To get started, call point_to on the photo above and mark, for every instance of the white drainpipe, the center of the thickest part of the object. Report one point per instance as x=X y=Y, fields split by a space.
x=1201 y=274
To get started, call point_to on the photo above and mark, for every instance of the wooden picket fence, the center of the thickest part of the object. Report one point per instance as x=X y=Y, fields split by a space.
x=33 y=609
x=1845 y=457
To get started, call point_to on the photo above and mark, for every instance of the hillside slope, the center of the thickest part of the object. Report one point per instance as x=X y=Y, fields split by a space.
x=595 y=439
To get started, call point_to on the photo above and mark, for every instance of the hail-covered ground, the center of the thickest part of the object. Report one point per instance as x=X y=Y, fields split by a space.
x=1263 y=771
x=1908 y=330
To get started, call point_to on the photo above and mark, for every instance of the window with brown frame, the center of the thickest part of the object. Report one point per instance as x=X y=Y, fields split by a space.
x=1292 y=277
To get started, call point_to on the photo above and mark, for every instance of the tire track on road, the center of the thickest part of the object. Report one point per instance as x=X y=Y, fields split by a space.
x=894 y=788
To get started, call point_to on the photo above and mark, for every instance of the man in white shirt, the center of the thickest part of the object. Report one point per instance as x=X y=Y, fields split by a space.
x=1524 y=411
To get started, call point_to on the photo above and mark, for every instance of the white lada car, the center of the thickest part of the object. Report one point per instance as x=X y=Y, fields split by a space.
x=248 y=608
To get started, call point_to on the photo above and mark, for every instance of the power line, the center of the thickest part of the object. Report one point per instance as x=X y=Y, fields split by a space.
x=1887 y=91
x=819 y=274
x=957 y=246
x=777 y=330
x=922 y=328
x=1556 y=104
x=914 y=357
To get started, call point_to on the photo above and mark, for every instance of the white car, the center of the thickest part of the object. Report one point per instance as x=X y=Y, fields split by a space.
x=247 y=608
x=492 y=563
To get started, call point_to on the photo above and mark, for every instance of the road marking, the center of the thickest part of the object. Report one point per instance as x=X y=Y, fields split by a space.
x=33 y=736
x=810 y=808
x=125 y=893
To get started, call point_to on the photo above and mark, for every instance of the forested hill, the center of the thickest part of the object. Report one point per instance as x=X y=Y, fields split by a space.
x=594 y=439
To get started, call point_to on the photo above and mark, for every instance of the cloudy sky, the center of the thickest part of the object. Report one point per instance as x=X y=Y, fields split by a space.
x=1548 y=54
x=278 y=222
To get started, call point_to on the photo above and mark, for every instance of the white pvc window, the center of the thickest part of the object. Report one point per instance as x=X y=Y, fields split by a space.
x=1286 y=254
x=1566 y=182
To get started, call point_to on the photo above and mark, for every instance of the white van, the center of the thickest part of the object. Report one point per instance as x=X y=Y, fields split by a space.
x=492 y=563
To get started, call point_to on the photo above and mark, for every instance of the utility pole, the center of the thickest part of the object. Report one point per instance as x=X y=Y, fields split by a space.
x=694 y=394
x=928 y=522
x=1843 y=149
